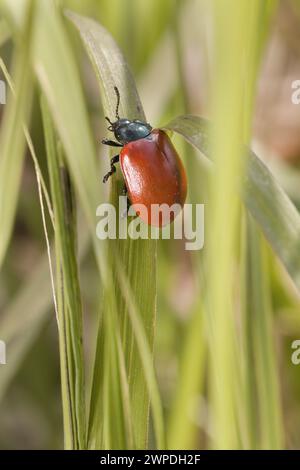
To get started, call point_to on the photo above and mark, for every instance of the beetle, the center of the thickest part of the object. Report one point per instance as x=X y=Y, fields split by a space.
x=151 y=167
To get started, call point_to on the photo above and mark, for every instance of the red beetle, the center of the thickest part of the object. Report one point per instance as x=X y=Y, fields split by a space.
x=152 y=170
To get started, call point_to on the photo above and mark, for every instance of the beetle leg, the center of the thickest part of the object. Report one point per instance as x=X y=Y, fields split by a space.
x=114 y=160
x=125 y=212
x=124 y=192
x=112 y=143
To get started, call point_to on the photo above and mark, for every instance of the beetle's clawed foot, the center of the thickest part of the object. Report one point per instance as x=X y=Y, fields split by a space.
x=107 y=176
x=113 y=169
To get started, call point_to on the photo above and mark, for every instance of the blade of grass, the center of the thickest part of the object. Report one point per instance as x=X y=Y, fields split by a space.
x=29 y=144
x=181 y=430
x=41 y=185
x=12 y=139
x=266 y=404
x=266 y=201
x=69 y=305
x=249 y=418
x=225 y=182
x=11 y=326
x=136 y=258
x=258 y=24
x=55 y=65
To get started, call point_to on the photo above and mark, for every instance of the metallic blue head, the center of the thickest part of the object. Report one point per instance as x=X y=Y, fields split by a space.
x=126 y=130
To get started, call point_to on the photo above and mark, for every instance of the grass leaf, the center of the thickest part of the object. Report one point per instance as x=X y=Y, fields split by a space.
x=69 y=305
x=267 y=202
x=12 y=139
x=263 y=383
x=136 y=259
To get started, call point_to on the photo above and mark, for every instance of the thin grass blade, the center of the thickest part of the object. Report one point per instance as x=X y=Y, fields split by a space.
x=70 y=305
x=12 y=139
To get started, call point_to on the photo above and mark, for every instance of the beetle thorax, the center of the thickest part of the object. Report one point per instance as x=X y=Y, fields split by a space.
x=126 y=130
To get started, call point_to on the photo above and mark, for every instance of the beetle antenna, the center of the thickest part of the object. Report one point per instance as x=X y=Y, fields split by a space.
x=118 y=102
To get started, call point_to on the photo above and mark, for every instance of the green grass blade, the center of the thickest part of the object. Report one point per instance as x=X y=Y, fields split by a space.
x=110 y=67
x=12 y=139
x=181 y=429
x=267 y=202
x=70 y=311
x=265 y=403
x=55 y=66
x=17 y=337
x=30 y=145
x=230 y=26
x=137 y=257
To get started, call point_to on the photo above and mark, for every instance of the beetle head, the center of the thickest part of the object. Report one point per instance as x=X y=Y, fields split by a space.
x=126 y=130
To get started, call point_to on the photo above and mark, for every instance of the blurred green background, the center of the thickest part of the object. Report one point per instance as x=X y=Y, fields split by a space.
x=169 y=47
